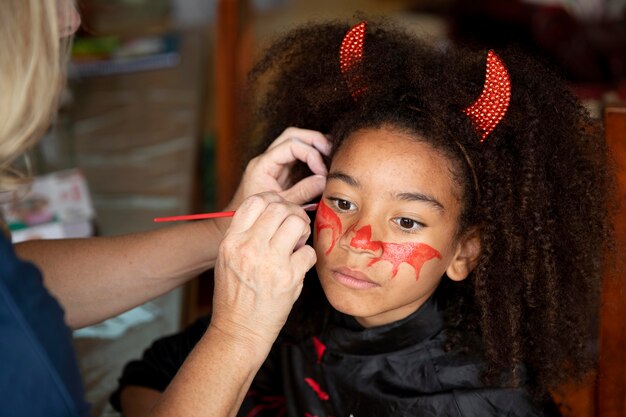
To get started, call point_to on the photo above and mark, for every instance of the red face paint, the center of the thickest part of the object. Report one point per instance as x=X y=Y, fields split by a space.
x=326 y=218
x=363 y=239
x=414 y=254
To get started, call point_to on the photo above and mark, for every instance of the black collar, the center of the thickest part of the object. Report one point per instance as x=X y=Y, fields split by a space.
x=346 y=335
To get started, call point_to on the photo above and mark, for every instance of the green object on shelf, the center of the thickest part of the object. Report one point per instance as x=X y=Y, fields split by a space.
x=95 y=47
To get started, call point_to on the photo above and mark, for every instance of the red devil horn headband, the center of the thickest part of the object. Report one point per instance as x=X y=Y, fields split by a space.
x=488 y=110
x=351 y=56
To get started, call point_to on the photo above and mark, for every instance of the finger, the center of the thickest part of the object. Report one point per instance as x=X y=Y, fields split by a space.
x=273 y=217
x=250 y=210
x=305 y=190
x=289 y=151
x=303 y=259
x=303 y=240
x=310 y=155
x=310 y=137
x=289 y=233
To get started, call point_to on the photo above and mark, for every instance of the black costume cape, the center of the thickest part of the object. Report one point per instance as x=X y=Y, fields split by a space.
x=400 y=369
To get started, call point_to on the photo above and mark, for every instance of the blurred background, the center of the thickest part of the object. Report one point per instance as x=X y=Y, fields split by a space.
x=149 y=122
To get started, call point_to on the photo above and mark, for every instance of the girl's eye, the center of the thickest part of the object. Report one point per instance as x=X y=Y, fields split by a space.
x=408 y=224
x=342 y=205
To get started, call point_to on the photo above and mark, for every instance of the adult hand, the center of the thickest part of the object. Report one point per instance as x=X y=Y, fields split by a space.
x=270 y=170
x=260 y=269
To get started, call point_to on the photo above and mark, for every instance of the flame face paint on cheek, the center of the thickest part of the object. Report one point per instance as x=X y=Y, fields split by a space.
x=414 y=254
x=326 y=218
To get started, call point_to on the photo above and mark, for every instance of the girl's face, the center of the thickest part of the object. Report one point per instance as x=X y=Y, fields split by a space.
x=386 y=227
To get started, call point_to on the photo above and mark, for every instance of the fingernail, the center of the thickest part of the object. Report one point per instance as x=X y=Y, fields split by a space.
x=324 y=148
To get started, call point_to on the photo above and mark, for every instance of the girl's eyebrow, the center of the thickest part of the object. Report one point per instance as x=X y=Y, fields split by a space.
x=338 y=175
x=419 y=197
x=424 y=198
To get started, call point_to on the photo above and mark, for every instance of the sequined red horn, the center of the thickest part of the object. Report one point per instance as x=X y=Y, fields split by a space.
x=493 y=102
x=351 y=55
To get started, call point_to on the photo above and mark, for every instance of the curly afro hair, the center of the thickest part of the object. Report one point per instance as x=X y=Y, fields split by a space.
x=544 y=182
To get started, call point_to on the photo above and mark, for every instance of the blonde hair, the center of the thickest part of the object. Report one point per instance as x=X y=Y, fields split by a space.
x=32 y=73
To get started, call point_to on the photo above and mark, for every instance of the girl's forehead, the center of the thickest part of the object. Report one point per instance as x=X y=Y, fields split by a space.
x=391 y=161
x=384 y=149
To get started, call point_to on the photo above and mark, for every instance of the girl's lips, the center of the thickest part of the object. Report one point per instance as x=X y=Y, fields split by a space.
x=353 y=279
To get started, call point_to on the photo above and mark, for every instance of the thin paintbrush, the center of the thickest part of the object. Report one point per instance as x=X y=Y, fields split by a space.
x=219 y=214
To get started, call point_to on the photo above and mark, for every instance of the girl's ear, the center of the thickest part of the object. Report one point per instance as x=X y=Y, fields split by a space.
x=466 y=256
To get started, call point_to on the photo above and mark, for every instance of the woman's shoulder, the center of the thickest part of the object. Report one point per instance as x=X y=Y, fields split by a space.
x=35 y=345
x=23 y=283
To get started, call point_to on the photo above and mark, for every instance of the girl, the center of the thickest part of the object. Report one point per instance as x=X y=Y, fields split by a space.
x=460 y=237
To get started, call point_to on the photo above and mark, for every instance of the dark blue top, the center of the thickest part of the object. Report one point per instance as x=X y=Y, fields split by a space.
x=39 y=374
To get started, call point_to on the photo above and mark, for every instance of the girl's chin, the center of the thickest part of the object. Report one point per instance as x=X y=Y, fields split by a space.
x=344 y=303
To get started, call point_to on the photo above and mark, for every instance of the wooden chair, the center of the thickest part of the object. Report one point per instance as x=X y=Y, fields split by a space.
x=233 y=55
x=604 y=393
x=611 y=377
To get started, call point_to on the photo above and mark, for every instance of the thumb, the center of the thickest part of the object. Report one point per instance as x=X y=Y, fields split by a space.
x=249 y=211
x=303 y=259
x=305 y=190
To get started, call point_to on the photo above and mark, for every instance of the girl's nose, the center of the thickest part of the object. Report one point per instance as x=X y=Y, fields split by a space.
x=359 y=237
